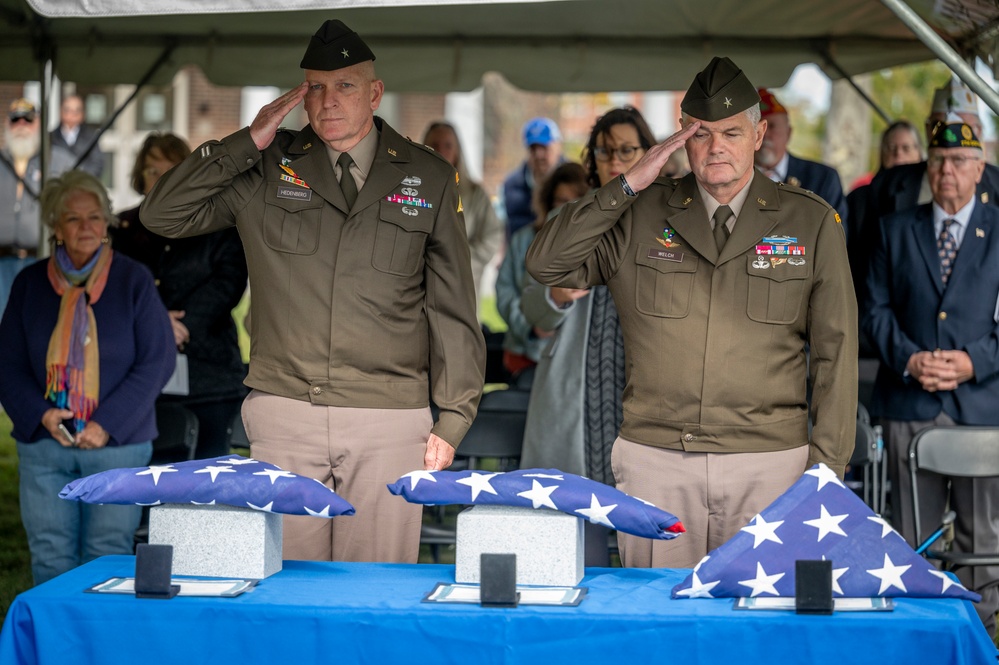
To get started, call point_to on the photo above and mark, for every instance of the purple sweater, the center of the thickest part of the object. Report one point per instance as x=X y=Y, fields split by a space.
x=137 y=352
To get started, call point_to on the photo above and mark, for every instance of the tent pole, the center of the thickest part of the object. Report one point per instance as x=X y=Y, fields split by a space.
x=944 y=51
x=167 y=52
x=853 y=84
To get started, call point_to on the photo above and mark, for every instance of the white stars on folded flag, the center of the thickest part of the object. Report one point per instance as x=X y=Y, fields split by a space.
x=818 y=518
x=231 y=480
x=540 y=489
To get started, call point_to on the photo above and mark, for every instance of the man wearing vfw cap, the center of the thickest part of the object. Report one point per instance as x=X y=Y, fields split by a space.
x=720 y=279
x=543 y=142
x=933 y=314
x=20 y=184
x=781 y=166
x=363 y=303
x=907 y=185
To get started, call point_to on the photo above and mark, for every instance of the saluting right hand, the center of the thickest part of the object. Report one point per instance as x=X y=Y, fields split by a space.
x=264 y=127
x=647 y=168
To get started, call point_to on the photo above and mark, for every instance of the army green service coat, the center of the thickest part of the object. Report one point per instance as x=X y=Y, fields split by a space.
x=716 y=345
x=374 y=307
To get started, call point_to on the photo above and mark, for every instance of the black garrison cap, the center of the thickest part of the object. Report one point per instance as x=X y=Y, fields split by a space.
x=335 y=46
x=719 y=91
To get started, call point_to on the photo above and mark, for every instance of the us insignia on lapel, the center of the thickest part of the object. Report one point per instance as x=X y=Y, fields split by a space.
x=985 y=197
x=979 y=233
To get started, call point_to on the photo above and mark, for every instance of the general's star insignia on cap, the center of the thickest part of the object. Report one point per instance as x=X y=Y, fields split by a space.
x=345 y=53
x=728 y=102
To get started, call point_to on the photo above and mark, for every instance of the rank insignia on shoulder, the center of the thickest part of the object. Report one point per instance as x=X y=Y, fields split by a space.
x=838 y=220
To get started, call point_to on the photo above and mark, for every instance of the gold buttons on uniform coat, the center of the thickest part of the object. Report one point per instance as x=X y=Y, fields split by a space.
x=943 y=316
x=316 y=390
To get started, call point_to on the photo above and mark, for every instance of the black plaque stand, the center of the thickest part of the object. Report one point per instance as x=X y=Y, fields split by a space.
x=813 y=587
x=153 y=565
x=498 y=580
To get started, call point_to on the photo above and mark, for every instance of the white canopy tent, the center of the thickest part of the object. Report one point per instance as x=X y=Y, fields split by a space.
x=557 y=46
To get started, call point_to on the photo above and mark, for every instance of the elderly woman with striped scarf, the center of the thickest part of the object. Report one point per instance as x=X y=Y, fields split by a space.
x=86 y=348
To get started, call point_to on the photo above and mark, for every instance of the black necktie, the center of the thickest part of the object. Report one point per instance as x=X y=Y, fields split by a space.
x=347 y=184
x=720 y=219
x=947 y=250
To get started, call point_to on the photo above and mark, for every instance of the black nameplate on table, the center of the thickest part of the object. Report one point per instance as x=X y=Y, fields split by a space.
x=498 y=580
x=153 y=566
x=813 y=587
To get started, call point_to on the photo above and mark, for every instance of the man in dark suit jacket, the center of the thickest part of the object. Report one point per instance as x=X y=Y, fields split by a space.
x=780 y=166
x=906 y=186
x=932 y=313
x=76 y=137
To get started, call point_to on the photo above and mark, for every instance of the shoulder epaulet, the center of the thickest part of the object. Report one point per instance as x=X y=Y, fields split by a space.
x=427 y=149
x=791 y=189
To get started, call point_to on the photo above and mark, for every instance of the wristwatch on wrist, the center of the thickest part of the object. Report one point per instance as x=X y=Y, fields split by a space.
x=627 y=188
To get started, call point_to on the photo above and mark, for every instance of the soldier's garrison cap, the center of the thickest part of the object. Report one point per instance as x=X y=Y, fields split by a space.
x=335 y=46
x=719 y=91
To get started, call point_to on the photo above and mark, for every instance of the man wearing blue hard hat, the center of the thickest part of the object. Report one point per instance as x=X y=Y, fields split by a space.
x=543 y=141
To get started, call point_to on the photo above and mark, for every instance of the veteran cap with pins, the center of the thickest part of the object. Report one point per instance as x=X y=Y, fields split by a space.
x=335 y=46
x=21 y=109
x=955 y=133
x=719 y=91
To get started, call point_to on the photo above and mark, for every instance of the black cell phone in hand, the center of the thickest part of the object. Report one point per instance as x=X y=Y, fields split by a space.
x=67 y=428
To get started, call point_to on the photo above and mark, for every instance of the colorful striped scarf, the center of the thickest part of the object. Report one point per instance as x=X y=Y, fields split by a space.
x=72 y=364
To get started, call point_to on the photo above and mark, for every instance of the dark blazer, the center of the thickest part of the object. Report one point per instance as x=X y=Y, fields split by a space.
x=908 y=309
x=894 y=190
x=94 y=163
x=820 y=179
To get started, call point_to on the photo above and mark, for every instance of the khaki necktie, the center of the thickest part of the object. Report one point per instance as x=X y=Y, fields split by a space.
x=347 y=184
x=720 y=219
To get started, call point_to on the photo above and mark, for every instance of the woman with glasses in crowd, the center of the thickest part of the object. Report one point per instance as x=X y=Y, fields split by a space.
x=200 y=280
x=86 y=349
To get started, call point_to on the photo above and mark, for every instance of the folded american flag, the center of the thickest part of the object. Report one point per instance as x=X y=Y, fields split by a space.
x=541 y=488
x=818 y=518
x=230 y=479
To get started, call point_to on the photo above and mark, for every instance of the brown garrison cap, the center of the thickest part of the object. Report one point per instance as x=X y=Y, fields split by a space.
x=335 y=46
x=719 y=91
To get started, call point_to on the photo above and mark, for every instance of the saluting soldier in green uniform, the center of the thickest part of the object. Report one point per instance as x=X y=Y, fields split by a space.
x=723 y=281
x=363 y=299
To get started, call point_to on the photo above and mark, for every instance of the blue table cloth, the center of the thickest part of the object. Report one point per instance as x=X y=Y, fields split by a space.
x=372 y=613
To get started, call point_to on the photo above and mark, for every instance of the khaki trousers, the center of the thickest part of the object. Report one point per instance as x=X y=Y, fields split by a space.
x=713 y=494
x=355 y=452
